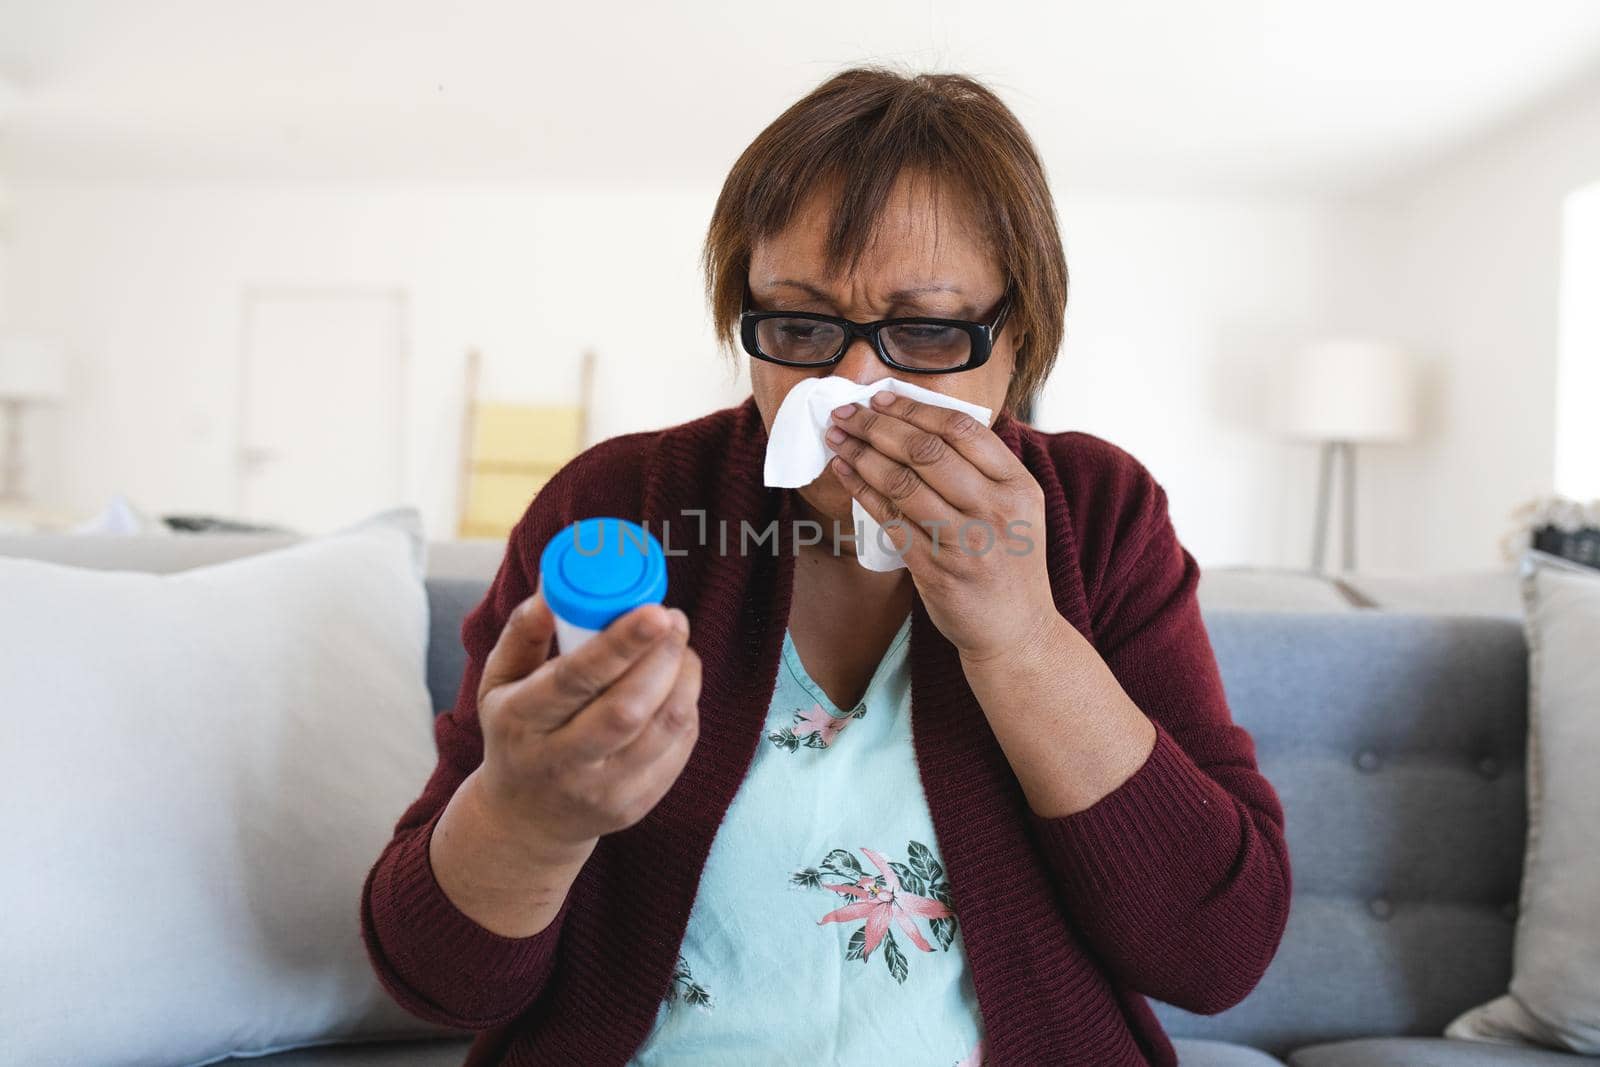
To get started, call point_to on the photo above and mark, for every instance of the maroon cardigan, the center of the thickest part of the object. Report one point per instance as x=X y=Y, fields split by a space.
x=1175 y=885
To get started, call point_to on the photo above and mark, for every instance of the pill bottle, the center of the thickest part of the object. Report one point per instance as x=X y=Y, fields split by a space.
x=597 y=570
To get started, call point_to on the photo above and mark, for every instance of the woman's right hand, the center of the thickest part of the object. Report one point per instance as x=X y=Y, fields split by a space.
x=586 y=743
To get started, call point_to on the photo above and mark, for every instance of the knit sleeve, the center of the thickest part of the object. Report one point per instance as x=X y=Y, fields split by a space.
x=437 y=962
x=1179 y=878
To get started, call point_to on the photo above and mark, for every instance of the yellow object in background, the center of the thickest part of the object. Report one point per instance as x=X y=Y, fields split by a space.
x=511 y=450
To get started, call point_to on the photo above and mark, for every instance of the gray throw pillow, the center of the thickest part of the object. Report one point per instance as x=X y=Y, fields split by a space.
x=1554 y=998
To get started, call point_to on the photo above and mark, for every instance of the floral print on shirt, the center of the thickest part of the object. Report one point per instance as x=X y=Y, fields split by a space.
x=900 y=893
x=814 y=727
x=683 y=985
x=882 y=900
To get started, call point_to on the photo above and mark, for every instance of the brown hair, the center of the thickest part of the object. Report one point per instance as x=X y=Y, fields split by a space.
x=860 y=129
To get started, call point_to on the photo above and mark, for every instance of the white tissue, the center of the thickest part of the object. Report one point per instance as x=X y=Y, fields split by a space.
x=797 y=451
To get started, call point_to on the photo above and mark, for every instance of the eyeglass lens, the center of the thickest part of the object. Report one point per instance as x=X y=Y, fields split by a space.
x=927 y=346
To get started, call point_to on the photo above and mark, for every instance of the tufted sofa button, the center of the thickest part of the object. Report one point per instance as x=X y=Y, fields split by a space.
x=1489 y=767
x=1380 y=908
x=1367 y=760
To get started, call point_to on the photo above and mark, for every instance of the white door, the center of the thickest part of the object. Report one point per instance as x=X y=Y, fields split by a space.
x=322 y=409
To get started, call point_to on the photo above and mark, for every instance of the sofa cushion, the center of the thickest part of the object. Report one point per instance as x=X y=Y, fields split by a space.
x=1427 y=1052
x=1194 y=1052
x=1395 y=743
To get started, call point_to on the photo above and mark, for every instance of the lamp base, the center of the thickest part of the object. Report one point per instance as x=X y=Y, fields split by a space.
x=1332 y=450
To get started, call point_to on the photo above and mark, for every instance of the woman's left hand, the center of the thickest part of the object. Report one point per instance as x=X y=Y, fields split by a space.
x=974 y=515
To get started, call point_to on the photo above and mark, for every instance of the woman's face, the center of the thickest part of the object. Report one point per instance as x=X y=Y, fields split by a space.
x=904 y=273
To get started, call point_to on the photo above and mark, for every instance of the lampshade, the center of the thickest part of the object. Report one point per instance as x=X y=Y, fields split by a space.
x=1351 y=389
x=31 y=368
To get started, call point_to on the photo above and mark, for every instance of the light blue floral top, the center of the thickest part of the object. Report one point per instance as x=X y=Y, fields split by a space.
x=822 y=930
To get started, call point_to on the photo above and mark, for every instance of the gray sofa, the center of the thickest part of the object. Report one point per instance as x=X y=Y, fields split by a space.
x=1396 y=743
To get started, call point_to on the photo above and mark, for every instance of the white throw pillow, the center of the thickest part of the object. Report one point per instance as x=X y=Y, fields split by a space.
x=1555 y=985
x=197 y=771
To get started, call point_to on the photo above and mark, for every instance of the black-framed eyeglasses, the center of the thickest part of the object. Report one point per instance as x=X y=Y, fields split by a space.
x=916 y=345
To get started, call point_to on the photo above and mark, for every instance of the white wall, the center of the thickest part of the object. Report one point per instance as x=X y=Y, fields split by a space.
x=1178 y=308
x=145 y=286
x=1181 y=312
x=1470 y=264
x=5 y=249
x=1577 y=459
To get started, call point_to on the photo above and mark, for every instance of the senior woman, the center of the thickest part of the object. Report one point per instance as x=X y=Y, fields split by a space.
x=973 y=809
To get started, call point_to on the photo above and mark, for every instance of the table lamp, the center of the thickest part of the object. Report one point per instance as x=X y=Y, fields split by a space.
x=1345 y=391
x=31 y=371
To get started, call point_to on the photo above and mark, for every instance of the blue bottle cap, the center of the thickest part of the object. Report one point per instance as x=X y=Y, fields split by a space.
x=598 y=569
